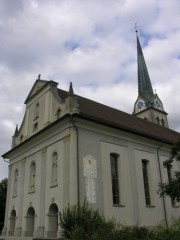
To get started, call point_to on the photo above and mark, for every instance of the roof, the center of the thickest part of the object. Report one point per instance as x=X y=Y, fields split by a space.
x=100 y=113
x=115 y=118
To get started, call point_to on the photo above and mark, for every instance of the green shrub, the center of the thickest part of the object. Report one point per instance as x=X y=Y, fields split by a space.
x=83 y=223
x=172 y=232
x=80 y=222
x=123 y=232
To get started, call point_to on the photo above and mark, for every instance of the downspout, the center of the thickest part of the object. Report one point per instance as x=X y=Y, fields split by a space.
x=164 y=204
x=77 y=140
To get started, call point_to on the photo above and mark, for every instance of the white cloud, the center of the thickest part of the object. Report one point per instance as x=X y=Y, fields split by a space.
x=91 y=43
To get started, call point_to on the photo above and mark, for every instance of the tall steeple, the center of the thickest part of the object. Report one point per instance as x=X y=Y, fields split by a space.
x=144 y=84
x=148 y=105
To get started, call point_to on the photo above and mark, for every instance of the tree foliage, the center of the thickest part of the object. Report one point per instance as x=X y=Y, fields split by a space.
x=3 y=192
x=172 y=187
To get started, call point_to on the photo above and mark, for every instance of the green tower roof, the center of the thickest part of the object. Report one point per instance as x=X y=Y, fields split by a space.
x=144 y=82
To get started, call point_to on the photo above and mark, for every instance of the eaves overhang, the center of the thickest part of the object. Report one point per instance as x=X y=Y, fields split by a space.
x=124 y=128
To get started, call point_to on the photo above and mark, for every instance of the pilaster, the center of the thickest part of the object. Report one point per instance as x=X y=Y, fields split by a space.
x=41 y=213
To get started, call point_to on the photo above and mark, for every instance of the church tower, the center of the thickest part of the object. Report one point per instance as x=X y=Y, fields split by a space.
x=148 y=105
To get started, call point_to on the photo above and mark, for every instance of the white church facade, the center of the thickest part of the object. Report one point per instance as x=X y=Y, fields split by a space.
x=69 y=148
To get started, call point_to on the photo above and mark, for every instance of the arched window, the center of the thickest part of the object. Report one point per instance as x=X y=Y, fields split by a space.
x=163 y=122
x=30 y=217
x=12 y=223
x=54 y=169
x=158 y=121
x=145 y=118
x=53 y=220
x=21 y=138
x=32 y=177
x=36 y=111
x=58 y=113
x=115 y=178
x=146 y=181
x=15 y=183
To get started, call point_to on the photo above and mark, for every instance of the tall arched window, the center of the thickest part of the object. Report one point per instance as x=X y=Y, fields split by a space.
x=114 y=178
x=32 y=177
x=54 y=169
x=15 y=182
x=146 y=181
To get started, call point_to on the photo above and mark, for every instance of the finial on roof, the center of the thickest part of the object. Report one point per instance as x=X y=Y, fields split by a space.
x=71 y=92
x=16 y=130
x=39 y=77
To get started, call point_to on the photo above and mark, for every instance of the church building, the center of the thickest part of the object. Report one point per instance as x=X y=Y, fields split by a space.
x=69 y=148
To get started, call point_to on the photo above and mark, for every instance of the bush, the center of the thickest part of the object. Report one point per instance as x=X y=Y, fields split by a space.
x=172 y=232
x=82 y=223
x=123 y=232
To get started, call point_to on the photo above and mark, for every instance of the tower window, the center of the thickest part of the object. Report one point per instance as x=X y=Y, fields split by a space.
x=114 y=179
x=163 y=122
x=158 y=121
x=146 y=182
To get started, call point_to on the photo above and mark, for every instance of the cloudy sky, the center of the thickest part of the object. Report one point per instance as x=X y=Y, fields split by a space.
x=92 y=44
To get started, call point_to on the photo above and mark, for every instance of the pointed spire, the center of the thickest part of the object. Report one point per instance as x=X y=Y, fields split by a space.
x=71 y=92
x=144 y=82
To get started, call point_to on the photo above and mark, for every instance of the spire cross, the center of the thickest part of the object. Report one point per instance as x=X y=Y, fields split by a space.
x=136 y=27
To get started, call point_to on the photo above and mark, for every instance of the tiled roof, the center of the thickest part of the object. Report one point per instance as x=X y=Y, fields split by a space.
x=95 y=111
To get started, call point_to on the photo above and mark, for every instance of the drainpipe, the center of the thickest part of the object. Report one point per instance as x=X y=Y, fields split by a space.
x=77 y=140
x=164 y=204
